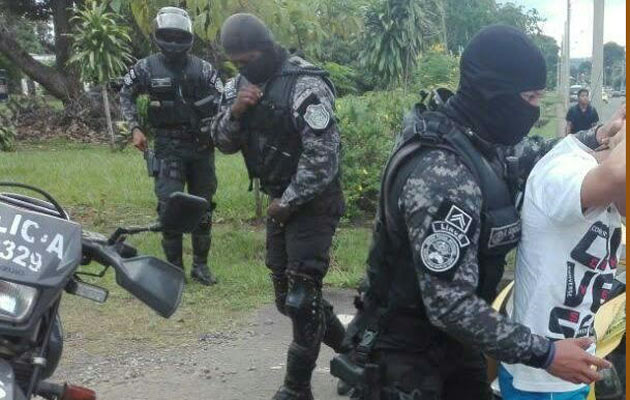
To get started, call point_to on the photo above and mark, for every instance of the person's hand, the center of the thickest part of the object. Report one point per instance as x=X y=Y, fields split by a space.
x=247 y=96
x=573 y=364
x=139 y=140
x=613 y=126
x=619 y=138
x=279 y=212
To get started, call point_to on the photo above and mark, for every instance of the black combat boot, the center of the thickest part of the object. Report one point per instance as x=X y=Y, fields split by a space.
x=172 y=246
x=200 y=270
x=297 y=382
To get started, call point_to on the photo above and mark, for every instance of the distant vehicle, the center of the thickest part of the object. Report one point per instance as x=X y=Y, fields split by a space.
x=623 y=92
x=617 y=93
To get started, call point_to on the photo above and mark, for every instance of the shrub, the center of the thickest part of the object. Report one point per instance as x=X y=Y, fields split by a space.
x=7 y=138
x=368 y=125
x=344 y=77
x=436 y=69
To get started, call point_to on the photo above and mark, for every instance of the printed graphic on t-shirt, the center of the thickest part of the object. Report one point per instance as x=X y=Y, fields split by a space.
x=571 y=320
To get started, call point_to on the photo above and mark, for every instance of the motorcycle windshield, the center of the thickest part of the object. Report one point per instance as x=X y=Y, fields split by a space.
x=37 y=249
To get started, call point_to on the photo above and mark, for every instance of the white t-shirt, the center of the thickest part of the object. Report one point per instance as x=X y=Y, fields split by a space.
x=566 y=258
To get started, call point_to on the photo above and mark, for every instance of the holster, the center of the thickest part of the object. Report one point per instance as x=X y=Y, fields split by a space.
x=368 y=378
x=153 y=164
x=356 y=368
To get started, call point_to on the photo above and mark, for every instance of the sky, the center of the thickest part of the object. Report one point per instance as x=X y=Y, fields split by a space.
x=555 y=12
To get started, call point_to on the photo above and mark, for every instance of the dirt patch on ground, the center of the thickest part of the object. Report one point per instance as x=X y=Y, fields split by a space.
x=245 y=363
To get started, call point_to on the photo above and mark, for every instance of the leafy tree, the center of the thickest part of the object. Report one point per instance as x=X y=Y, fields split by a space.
x=101 y=50
x=60 y=81
x=528 y=21
x=436 y=68
x=614 y=58
x=464 y=18
x=550 y=49
x=392 y=38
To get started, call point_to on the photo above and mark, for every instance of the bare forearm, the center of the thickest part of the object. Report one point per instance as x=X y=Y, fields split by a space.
x=603 y=185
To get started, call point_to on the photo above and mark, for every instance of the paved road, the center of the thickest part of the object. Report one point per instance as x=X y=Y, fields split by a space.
x=245 y=364
x=608 y=109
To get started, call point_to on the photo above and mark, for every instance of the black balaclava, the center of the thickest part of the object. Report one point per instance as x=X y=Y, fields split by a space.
x=242 y=33
x=498 y=64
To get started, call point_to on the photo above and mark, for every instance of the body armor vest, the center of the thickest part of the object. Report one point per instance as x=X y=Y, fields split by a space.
x=392 y=278
x=273 y=143
x=173 y=90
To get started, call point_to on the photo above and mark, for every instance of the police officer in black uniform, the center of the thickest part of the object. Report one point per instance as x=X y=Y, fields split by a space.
x=278 y=112
x=184 y=153
x=445 y=223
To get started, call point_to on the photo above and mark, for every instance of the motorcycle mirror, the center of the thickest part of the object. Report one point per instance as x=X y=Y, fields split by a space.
x=156 y=283
x=183 y=212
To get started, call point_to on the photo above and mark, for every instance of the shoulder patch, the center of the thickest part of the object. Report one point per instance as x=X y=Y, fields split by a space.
x=229 y=90
x=127 y=80
x=442 y=250
x=317 y=117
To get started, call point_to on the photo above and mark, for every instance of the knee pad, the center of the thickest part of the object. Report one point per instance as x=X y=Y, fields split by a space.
x=304 y=306
x=303 y=296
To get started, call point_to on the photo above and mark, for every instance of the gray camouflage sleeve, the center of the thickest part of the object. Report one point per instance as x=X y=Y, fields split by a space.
x=225 y=130
x=134 y=84
x=588 y=138
x=532 y=148
x=442 y=192
x=319 y=162
x=213 y=80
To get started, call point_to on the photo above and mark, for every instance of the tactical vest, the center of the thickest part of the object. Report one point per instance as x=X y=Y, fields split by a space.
x=273 y=139
x=173 y=90
x=392 y=278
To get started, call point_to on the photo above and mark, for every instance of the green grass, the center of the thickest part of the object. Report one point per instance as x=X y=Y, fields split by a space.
x=104 y=190
x=548 y=112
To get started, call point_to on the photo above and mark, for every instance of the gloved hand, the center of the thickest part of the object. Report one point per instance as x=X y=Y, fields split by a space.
x=279 y=212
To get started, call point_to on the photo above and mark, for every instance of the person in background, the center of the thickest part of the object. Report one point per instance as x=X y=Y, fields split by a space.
x=582 y=116
x=567 y=258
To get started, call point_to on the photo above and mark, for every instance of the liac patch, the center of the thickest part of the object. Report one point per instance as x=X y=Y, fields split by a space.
x=443 y=248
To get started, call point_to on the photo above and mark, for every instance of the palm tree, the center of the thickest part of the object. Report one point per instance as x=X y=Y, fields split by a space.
x=101 y=50
x=394 y=36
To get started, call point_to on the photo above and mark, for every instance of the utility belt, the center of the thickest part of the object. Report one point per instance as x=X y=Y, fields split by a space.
x=358 y=368
x=367 y=380
x=171 y=169
x=176 y=133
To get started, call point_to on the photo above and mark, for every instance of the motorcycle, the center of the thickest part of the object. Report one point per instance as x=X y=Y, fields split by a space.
x=610 y=338
x=41 y=251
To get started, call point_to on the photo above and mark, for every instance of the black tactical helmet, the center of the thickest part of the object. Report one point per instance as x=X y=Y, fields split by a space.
x=172 y=32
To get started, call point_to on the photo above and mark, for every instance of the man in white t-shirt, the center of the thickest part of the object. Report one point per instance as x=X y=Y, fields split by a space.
x=568 y=253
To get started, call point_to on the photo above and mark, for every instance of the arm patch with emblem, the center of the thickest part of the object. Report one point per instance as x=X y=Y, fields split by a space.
x=315 y=114
x=229 y=90
x=444 y=247
x=130 y=77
